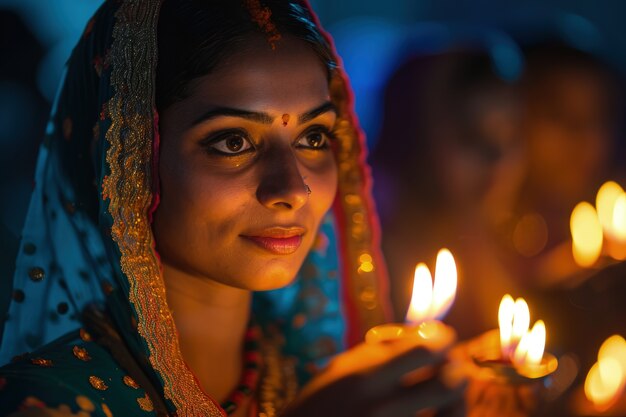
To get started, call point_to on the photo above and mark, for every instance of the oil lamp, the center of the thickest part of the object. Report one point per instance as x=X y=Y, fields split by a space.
x=520 y=354
x=600 y=230
x=605 y=385
x=430 y=301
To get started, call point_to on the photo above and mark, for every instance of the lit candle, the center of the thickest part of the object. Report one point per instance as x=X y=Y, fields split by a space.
x=430 y=301
x=616 y=233
x=606 y=381
x=602 y=226
x=587 y=235
x=521 y=353
x=605 y=203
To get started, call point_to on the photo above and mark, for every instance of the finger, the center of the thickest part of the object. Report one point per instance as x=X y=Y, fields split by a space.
x=528 y=396
x=388 y=376
x=430 y=395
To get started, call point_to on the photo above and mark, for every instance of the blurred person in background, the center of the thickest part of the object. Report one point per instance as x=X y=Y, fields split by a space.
x=572 y=115
x=447 y=168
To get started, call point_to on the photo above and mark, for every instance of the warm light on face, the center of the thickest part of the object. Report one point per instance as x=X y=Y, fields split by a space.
x=586 y=234
x=605 y=203
x=607 y=377
x=429 y=300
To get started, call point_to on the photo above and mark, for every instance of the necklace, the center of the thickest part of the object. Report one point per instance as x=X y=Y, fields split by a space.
x=264 y=366
x=251 y=370
x=279 y=383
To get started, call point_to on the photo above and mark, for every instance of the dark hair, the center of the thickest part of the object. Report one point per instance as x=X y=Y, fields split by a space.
x=194 y=36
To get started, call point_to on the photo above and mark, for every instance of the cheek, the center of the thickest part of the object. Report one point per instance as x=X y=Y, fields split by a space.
x=322 y=181
x=187 y=220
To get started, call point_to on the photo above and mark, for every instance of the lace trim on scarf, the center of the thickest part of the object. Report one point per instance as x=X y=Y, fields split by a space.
x=129 y=191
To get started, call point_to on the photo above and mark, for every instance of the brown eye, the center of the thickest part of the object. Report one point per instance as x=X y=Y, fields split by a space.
x=231 y=144
x=317 y=139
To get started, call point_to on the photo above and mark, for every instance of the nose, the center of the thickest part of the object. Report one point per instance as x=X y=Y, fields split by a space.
x=281 y=186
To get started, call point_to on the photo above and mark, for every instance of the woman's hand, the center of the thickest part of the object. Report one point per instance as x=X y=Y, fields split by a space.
x=378 y=380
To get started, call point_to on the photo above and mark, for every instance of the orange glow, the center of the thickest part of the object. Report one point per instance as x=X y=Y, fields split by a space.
x=444 y=287
x=366 y=263
x=517 y=343
x=430 y=300
x=505 y=321
x=605 y=203
x=521 y=319
x=614 y=347
x=618 y=229
x=607 y=377
x=422 y=296
x=530 y=349
x=514 y=319
x=604 y=382
x=587 y=234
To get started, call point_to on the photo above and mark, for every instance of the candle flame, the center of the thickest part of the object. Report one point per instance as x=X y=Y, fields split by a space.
x=605 y=203
x=586 y=234
x=505 y=321
x=433 y=300
x=606 y=379
x=521 y=319
x=444 y=287
x=517 y=343
x=604 y=382
x=618 y=229
x=614 y=347
x=422 y=296
x=530 y=349
x=537 y=343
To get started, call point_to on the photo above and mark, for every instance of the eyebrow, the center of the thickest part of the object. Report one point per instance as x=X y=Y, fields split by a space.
x=319 y=110
x=261 y=117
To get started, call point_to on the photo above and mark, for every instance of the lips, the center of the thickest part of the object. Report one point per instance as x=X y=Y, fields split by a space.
x=277 y=240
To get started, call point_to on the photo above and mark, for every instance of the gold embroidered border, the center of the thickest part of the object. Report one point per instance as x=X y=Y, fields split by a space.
x=129 y=190
x=364 y=261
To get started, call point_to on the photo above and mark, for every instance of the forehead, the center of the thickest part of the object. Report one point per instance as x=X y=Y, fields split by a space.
x=290 y=77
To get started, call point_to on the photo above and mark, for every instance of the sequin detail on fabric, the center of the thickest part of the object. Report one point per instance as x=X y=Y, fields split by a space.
x=145 y=403
x=360 y=239
x=128 y=187
x=81 y=353
x=98 y=383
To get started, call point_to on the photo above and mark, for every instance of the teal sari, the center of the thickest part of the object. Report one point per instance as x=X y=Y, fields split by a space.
x=89 y=300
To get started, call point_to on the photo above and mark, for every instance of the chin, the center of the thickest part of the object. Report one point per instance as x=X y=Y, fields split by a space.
x=267 y=279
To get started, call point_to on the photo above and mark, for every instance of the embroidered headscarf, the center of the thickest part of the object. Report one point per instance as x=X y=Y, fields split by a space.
x=87 y=236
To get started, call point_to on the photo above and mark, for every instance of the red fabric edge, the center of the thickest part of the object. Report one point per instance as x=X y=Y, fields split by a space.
x=354 y=334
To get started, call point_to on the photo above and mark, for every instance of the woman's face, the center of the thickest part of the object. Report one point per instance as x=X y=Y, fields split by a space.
x=237 y=160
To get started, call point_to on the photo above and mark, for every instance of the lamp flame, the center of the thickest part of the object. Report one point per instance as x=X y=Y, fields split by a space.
x=422 y=296
x=618 y=229
x=430 y=300
x=605 y=203
x=505 y=321
x=606 y=379
x=530 y=349
x=587 y=234
x=521 y=319
x=444 y=287
x=517 y=343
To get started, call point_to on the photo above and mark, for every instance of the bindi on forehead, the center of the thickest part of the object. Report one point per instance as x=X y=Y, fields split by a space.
x=285 y=119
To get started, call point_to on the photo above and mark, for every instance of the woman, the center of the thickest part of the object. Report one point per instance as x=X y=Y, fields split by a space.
x=168 y=192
